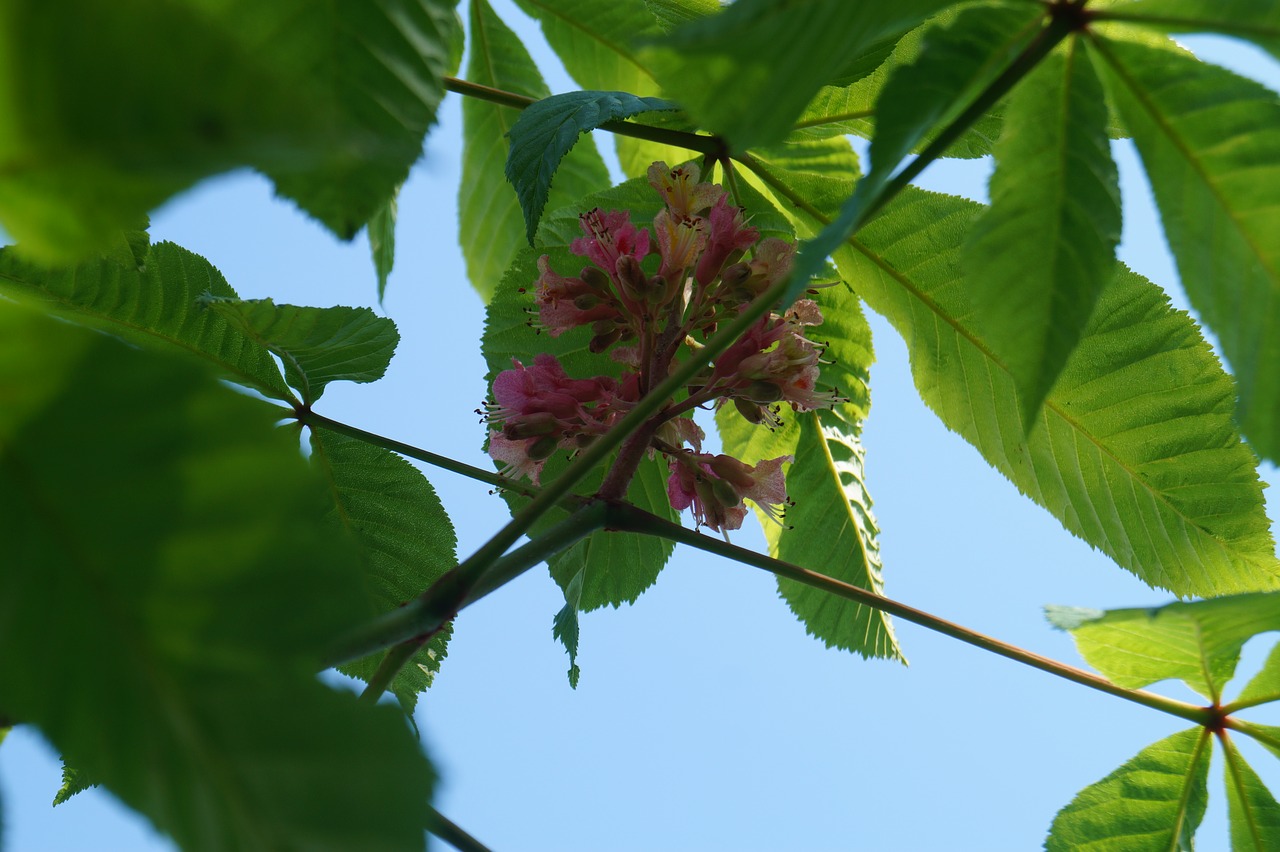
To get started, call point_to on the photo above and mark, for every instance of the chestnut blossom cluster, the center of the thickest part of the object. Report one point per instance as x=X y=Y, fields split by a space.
x=647 y=297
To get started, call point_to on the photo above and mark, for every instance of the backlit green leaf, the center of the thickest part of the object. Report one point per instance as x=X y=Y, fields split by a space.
x=404 y=536
x=316 y=345
x=1198 y=642
x=1210 y=142
x=1138 y=454
x=151 y=302
x=182 y=549
x=382 y=241
x=1254 y=813
x=74 y=781
x=1039 y=257
x=490 y=226
x=748 y=72
x=332 y=102
x=1264 y=687
x=1255 y=20
x=549 y=128
x=1153 y=802
x=565 y=625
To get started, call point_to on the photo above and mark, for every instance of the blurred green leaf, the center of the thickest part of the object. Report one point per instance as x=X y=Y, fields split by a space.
x=1198 y=642
x=176 y=561
x=316 y=345
x=749 y=71
x=1210 y=142
x=382 y=241
x=1255 y=20
x=148 y=296
x=1039 y=257
x=548 y=129
x=1153 y=802
x=74 y=781
x=403 y=533
x=490 y=225
x=331 y=102
x=1253 y=811
x=565 y=625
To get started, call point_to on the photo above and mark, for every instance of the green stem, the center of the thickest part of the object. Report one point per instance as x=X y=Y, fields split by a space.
x=1237 y=706
x=1251 y=730
x=390 y=666
x=461 y=587
x=444 y=828
x=634 y=520
x=665 y=135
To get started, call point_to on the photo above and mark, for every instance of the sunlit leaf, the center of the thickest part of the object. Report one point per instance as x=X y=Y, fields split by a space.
x=331 y=102
x=1038 y=259
x=490 y=226
x=1153 y=802
x=404 y=536
x=748 y=72
x=1210 y=142
x=1264 y=686
x=672 y=13
x=149 y=296
x=1198 y=642
x=1254 y=813
x=191 y=564
x=1255 y=20
x=316 y=345
x=549 y=128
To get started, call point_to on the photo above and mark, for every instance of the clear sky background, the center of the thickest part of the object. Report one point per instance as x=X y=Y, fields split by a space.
x=705 y=718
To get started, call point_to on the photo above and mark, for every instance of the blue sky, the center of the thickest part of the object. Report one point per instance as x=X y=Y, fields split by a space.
x=705 y=718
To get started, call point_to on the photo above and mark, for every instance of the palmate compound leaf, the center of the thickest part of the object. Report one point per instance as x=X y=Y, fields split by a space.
x=490 y=225
x=1135 y=450
x=547 y=130
x=331 y=102
x=1038 y=258
x=1255 y=20
x=1198 y=642
x=148 y=295
x=406 y=540
x=163 y=540
x=1252 y=810
x=748 y=72
x=596 y=42
x=1210 y=143
x=1153 y=802
x=316 y=345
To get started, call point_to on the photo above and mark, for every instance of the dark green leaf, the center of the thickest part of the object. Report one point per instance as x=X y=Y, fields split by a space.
x=1198 y=642
x=1255 y=20
x=1153 y=802
x=152 y=303
x=74 y=781
x=1254 y=813
x=490 y=226
x=316 y=345
x=331 y=102
x=1039 y=258
x=1210 y=142
x=565 y=625
x=406 y=539
x=546 y=131
x=748 y=72
x=382 y=241
x=182 y=548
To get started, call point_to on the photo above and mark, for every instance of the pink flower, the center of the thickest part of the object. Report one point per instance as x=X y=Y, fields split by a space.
x=715 y=486
x=729 y=235
x=609 y=236
x=774 y=362
x=680 y=189
x=515 y=457
x=680 y=239
x=566 y=303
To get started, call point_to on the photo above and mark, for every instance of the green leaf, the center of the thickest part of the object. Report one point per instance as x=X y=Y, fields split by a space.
x=1198 y=642
x=549 y=128
x=316 y=345
x=748 y=72
x=565 y=625
x=1255 y=20
x=405 y=537
x=1264 y=687
x=1038 y=259
x=74 y=781
x=1138 y=454
x=184 y=546
x=331 y=102
x=1154 y=802
x=672 y=13
x=490 y=226
x=1254 y=813
x=151 y=302
x=382 y=241
x=1210 y=142
x=595 y=41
